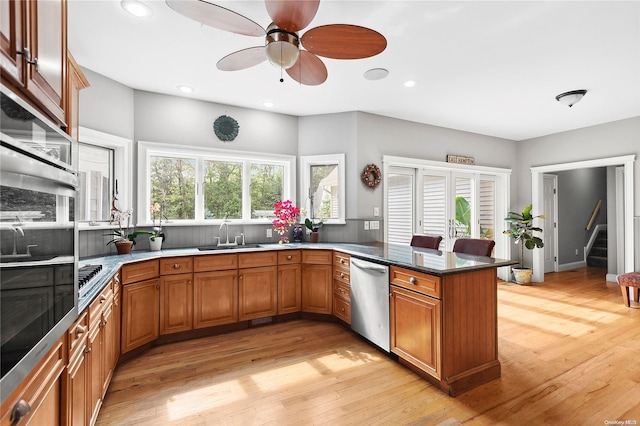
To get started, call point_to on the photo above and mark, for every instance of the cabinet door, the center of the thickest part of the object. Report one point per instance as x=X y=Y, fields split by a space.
x=258 y=292
x=108 y=337
x=415 y=329
x=76 y=81
x=12 y=37
x=139 y=314
x=215 y=296
x=176 y=303
x=317 y=292
x=95 y=364
x=48 y=49
x=289 y=289
x=76 y=384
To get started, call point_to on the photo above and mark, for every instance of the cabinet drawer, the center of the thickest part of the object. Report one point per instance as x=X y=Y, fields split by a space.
x=341 y=259
x=116 y=283
x=176 y=265
x=257 y=259
x=96 y=307
x=342 y=290
x=318 y=257
x=341 y=274
x=342 y=309
x=215 y=262
x=76 y=335
x=416 y=281
x=289 y=257
x=140 y=271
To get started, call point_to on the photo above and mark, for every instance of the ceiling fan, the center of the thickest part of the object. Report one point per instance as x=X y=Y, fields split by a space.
x=282 y=42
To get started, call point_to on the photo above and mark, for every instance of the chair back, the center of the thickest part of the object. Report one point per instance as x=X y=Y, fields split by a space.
x=474 y=246
x=426 y=241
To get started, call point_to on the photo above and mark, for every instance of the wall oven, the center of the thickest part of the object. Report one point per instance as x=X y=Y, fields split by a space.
x=38 y=238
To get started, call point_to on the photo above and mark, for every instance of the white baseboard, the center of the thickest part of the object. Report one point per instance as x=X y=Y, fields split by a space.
x=612 y=278
x=572 y=265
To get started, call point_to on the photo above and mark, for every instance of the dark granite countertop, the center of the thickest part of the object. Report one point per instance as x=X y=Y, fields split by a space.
x=433 y=262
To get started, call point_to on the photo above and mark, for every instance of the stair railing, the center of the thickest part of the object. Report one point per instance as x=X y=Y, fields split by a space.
x=593 y=215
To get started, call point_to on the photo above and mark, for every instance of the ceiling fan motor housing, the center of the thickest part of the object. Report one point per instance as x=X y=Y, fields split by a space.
x=282 y=47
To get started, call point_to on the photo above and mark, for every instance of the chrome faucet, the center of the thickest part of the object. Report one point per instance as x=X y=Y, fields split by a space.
x=16 y=230
x=225 y=225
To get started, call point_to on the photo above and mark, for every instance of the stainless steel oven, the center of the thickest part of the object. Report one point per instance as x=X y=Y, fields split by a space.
x=38 y=238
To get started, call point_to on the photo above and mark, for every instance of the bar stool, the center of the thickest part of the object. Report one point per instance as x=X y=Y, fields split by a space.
x=474 y=246
x=426 y=241
x=626 y=280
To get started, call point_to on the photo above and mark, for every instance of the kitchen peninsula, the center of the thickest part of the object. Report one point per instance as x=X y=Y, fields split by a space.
x=443 y=305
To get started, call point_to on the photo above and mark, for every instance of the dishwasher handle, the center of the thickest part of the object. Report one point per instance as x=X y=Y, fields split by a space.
x=369 y=266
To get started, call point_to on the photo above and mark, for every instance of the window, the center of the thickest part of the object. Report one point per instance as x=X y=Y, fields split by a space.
x=323 y=183
x=103 y=174
x=199 y=185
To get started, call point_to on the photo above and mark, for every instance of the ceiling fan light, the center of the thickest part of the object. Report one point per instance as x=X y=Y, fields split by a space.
x=571 y=98
x=136 y=8
x=282 y=54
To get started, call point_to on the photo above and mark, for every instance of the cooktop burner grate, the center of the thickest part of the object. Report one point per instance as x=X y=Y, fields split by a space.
x=87 y=272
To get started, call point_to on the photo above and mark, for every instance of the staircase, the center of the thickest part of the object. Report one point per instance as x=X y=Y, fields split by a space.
x=598 y=254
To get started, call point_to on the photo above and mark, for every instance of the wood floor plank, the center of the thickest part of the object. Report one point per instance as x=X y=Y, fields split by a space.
x=568 y=349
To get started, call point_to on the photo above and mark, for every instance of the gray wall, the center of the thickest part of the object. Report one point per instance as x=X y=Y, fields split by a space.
x=578 y=193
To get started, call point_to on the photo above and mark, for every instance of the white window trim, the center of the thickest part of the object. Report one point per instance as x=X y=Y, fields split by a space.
x=123 y=162
x=305 y=178
x=146 y=149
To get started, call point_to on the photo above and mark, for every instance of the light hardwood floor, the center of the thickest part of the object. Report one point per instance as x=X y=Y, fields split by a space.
x=569 y=350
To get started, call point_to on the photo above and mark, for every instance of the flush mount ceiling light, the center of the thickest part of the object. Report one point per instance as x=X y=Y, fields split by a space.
x=185 y=89
x=409 y=83
x=136 y=8
x=571 y=98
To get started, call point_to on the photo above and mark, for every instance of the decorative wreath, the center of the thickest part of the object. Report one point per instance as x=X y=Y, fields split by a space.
x=225 y=128
x=371 y=176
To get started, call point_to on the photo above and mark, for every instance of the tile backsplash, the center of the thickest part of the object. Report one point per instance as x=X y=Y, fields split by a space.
x=93 y=242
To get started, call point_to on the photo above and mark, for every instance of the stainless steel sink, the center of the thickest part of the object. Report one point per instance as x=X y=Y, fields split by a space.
x=238 y=247
x=13 y=258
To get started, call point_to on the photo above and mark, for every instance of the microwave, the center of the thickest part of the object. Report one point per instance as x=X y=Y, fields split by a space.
x=38 y=238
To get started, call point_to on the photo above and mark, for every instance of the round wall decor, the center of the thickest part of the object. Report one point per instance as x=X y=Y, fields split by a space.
x=225 y=128
x=371 y=176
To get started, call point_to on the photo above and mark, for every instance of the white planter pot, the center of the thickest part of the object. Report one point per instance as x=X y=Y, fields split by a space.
x=156 y=244
x=522 y=275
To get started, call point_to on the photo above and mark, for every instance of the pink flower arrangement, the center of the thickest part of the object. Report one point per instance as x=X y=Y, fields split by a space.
x=286 y=214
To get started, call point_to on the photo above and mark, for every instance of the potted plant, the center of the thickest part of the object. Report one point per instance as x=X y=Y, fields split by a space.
x=157 y=236
x=123 y=238
x=286 y=214
x=521 y=230
x=313 y=226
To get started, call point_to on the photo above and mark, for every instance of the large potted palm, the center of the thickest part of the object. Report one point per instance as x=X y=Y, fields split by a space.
x=521 y=230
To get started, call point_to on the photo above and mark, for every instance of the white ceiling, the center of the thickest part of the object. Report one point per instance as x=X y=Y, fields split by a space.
x=492 y=68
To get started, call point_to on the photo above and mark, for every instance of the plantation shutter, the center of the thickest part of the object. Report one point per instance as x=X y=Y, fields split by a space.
x=400 y=208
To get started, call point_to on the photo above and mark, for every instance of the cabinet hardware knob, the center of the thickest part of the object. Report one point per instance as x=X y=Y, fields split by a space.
x=20 y=410
x=342 y=260
x=102 y=298
x=176 y=266
x=189 y=282
x=87 y=351
x=80 y=330
x=116 y=279
x=413 y=280
x=289 y=257
x=342 y=309
x=341 y=274
x=27 y=57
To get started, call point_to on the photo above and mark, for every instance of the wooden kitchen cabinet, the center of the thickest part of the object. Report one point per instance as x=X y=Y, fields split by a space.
x=342 y=286
x=257 y=292
x=176 y=303
x=140 y=312
x=289 y=282
x=41 y=393
x=215 y=298
x=76 y=81
x=34 y=53
x=76 y=397
x=415 y=329
x=317 y=281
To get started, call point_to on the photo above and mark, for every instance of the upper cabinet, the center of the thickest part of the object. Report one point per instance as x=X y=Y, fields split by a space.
x=33 y=39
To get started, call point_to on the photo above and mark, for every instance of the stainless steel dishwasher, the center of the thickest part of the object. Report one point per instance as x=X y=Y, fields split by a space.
x=370 y=301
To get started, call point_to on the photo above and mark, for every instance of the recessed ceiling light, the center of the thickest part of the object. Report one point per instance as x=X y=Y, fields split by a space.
x=269 y=104
x=136 y=8
x=185 y=89
x=376 y=74
x=409 y=83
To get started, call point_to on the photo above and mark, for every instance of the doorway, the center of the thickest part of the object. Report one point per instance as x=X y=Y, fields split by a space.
x=537 y=195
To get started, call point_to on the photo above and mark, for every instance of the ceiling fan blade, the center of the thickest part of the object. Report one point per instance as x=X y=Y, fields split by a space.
x=341 y=41
x=216 y=16
x=308 y=69
x=242 y=59
x=292 y=15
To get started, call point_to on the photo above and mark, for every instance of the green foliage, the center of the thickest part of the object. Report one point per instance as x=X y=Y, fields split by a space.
x=313 y=226
x=522 y=229
x=173 y=186
x=463 y=214
x=122 y=236
x=223 y=189
x=266 y=186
